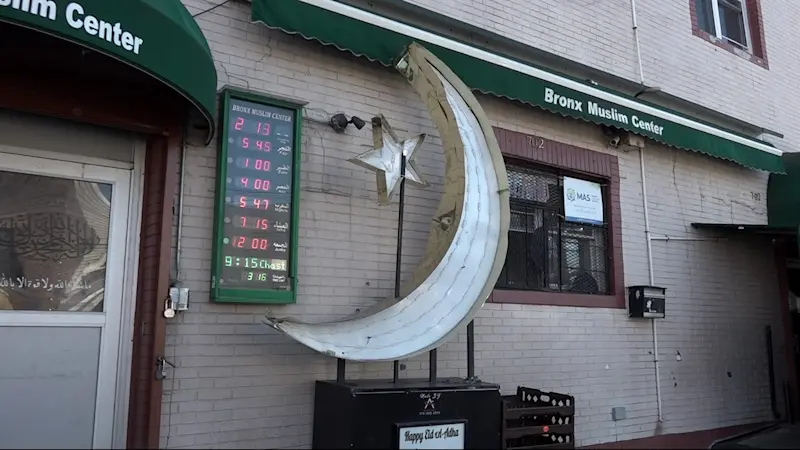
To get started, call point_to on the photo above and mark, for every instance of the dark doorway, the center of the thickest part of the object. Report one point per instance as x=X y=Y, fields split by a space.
x=793 y=280
x=796 y=334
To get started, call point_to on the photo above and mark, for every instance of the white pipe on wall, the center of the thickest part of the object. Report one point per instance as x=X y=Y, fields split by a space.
x=179 y=220
x=636 y=39
x=648 y=237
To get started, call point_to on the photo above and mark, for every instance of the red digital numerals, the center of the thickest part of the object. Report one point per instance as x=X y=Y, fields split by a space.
x=257 y=184
x=255 y=223
x=251 y=243
x=262 y=146
x=257 y=164
x=254 y=203
x=262 y=128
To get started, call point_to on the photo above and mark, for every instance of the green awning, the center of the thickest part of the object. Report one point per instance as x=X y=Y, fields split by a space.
x=783 y=194
x=382 y=39
x=159 y=37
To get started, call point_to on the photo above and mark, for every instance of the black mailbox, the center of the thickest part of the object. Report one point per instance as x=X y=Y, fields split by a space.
x=647 y=302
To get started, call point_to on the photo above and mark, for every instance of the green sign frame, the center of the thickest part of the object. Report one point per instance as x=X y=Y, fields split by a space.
x=220 y=294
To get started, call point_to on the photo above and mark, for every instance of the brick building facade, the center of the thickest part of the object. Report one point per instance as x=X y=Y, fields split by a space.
x=239 y=384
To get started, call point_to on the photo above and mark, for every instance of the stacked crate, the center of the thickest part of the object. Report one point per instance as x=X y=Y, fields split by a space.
x=534 y=419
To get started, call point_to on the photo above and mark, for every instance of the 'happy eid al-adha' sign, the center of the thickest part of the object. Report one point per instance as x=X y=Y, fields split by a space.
x=447 y=436
x=583 y=201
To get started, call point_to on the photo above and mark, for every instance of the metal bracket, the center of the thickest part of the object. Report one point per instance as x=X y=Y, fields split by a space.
x=472 y=380
x=161 y=368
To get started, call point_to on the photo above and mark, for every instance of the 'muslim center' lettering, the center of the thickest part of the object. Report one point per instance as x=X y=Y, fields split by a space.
x=77 y=18
x=590 y=107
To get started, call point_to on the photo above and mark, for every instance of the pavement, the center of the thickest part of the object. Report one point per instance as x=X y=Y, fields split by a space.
x=783 y=437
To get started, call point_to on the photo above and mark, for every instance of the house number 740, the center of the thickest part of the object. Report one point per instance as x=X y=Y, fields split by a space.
x=535 y=142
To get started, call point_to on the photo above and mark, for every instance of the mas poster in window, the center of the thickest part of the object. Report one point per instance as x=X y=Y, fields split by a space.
x=583 y=201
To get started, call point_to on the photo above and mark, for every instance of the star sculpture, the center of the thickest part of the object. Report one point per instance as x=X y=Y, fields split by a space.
x=385 y=159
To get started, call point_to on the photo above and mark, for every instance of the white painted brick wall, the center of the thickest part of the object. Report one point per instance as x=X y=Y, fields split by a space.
x=241 y=385
x=599 y=34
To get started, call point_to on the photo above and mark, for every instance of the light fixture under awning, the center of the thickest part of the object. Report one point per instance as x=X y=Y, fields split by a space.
x=382 y=39
x=158 y=37
x=765 y=230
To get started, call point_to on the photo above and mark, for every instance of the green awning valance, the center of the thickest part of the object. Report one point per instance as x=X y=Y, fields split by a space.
x=382 y=39
x=783 y=194
x=159 y=37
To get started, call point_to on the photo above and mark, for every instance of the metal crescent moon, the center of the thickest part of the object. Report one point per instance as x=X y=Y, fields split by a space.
x=467 y=243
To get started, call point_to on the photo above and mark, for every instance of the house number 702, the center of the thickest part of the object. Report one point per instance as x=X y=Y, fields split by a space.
x=535 y=142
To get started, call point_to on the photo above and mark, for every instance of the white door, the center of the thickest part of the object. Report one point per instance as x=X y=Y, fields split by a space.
x=63 y=239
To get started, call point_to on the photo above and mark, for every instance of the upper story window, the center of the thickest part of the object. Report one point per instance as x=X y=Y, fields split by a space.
x=734 y=25
x=725 y=19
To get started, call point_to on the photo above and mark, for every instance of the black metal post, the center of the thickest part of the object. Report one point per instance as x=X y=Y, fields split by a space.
x=797 y=237
x=400 y=212
x=432 y=366
x=399 y=254
x=773 y=396
x=340 y=370
x=471 y=350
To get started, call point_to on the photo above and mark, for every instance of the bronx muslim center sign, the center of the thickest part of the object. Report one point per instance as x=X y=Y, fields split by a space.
x=583 y=201
x=76 y=17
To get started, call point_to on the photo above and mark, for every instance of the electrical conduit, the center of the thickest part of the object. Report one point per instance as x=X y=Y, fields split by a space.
x=647 y=232
x=636 y=39
x=648 y=237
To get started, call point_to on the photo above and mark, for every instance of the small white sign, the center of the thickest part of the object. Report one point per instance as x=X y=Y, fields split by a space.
x=583 y=201
x=448 y=436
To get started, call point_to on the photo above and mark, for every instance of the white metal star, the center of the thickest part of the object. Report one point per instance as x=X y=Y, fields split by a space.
x=385 y=159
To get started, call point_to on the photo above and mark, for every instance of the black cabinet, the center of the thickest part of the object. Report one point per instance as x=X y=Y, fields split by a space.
x=409 y=414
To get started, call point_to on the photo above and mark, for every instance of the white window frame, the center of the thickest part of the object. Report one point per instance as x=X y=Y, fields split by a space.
x=718 y=26
x=111 y=418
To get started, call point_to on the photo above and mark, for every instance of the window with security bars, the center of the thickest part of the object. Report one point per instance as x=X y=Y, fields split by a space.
x=545 y=252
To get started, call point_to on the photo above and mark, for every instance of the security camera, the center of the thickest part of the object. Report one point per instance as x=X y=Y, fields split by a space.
x=355 y=120
x=339 y=122
x=614 y=141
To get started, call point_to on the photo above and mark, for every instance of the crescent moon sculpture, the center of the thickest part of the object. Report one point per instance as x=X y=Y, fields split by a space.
x=467 y=243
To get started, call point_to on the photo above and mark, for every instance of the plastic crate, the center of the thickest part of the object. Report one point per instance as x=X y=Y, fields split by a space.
x=534 y=419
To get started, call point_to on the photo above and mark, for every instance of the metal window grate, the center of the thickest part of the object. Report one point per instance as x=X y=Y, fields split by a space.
x=546 y=253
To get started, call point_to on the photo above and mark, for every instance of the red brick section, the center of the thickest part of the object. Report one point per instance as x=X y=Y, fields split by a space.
x=522 y=148
x=695 y=440
x=758 y=46
x=154 y=263
x=756 y=22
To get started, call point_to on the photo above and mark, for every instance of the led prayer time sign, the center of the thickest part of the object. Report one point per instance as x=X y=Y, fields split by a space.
x=254 y=257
